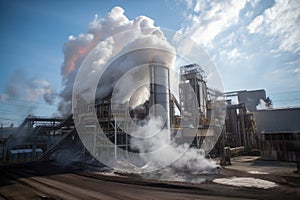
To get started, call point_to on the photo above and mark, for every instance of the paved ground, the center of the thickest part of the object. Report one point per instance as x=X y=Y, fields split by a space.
x=47 y=181
x=252 y=164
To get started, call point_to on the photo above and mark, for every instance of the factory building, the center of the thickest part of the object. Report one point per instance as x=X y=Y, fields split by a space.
x=240 y=124
x=199 y=116
x=196 y=118
x=275 y=132
x=252 y=98
x=207 y=108
x=197 y=122
x=279 y=133
x=240 y=128
x=193 y=76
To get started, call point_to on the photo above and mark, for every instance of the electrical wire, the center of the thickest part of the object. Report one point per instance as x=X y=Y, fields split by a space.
x=286 y=100
x=284 y=92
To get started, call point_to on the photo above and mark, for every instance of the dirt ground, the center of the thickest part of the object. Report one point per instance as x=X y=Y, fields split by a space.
x=49 y=181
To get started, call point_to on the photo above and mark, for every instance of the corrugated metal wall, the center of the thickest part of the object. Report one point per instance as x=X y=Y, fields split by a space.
x=277 y=120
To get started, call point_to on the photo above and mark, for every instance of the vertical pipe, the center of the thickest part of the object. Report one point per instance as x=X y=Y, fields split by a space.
x=95 y=138
x=242 y=126
x=116 y=139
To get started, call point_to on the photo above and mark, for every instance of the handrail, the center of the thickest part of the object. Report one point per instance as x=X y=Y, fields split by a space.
x=55 y=147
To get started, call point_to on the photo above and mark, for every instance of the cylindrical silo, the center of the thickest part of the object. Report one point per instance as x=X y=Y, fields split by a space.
x=160 y=92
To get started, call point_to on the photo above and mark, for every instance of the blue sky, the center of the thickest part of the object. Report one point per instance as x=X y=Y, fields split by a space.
x=254 y=44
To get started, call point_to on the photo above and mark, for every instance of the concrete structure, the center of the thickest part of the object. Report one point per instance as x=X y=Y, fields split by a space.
x=251 y=99
x=193 y=76
x=199 y=109
x=240 y=128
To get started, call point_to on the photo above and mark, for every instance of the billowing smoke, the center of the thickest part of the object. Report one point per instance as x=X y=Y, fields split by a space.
x=264 y=104
x=152 y=48
x=20 y=87
x=111 y=37
x=159 y=152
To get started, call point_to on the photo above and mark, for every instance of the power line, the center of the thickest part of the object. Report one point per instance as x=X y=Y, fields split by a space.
x=14 y=113
x=24 y=108
x=284 y=92
x=19 y=103
x=9 y=106
x=286 y=100
x=11 y=118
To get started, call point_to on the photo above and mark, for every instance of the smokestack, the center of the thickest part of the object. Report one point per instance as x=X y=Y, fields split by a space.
x=160 y=92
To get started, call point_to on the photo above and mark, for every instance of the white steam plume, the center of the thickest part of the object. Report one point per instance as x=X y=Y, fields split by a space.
x=158 y=151
x=111 y=36
x=151 y=48
x=262 y=105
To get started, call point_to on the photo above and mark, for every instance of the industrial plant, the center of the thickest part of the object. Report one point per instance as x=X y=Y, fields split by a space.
x=44 y=138
x=150 y=100
x=219 y=125
x=272 y=133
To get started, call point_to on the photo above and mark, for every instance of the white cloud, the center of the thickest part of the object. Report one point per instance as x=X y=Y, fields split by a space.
x=229 y=40
x=296 y=72
x=210 y=20
x=293 y=62
x=232 y=55
x=282 y=78
x=281 y=23
x=198 y=6
x=256 y=40
x=254 y=26
x=189 y=3
x=249 y=13
x=254 y=3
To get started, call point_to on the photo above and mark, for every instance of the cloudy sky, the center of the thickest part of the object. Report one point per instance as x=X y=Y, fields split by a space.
x=254 y=44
